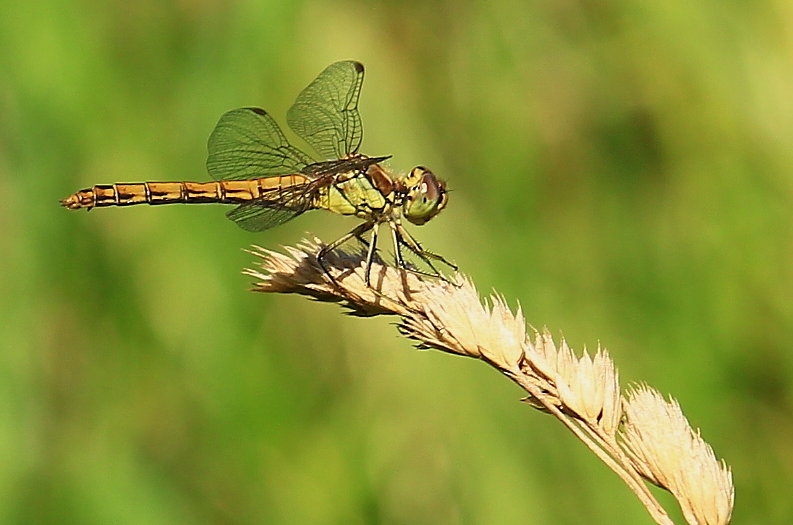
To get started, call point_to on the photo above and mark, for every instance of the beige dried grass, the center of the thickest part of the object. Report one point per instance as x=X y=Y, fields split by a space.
x=639 y=435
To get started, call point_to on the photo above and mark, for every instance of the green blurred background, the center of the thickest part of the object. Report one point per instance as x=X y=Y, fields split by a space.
x=624 y=169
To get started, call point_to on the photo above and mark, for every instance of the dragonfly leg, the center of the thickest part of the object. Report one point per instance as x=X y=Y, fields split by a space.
x=370 y=254
x=356 y=232
x=397 y=247
x=399 y=241
x=402 y=237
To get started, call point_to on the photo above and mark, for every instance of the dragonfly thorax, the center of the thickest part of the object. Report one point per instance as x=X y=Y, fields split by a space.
x=425 y=196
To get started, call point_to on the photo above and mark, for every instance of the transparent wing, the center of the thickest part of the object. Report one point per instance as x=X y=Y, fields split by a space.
x=276 y=207
x=255 y=218
x=279 y=206
x=248 y=144
x=325 y=114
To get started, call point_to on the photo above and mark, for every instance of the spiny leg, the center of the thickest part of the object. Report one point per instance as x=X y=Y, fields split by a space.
x=356 y=232
x=401 y=236
x=398 y=242
x=416 y=248
x=370 y=255
x=397 y=247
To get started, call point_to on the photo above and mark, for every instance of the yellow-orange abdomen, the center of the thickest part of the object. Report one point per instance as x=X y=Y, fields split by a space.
x=224 y=192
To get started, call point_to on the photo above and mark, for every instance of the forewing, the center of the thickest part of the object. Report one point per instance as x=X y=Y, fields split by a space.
x=248 y=144
x=325 y=114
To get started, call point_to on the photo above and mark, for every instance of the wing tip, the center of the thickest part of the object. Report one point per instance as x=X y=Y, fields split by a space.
x=357 y=66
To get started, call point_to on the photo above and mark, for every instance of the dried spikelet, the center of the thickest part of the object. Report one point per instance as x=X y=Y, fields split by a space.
x=587 y=386
x=452 y=318
x=449 y=320
x=300 y=272
x=667 y=451
x=439 y=314
x=582 y=392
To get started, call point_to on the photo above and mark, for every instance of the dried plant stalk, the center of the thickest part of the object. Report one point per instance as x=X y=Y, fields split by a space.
x=640 y=436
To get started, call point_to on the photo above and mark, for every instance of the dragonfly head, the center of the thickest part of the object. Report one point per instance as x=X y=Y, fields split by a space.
x=425 y=196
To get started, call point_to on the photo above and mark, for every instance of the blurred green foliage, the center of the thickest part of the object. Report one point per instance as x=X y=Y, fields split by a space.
x=624 y=169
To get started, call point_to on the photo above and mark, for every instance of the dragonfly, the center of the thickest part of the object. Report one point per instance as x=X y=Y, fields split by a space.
x=271 y=181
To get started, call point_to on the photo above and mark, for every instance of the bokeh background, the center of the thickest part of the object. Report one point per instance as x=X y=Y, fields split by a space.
x=623 y=169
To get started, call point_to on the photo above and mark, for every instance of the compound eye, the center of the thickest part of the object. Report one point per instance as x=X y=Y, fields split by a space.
x=425 y=199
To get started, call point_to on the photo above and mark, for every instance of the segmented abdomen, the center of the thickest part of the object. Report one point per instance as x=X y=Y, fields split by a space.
x=224 y=192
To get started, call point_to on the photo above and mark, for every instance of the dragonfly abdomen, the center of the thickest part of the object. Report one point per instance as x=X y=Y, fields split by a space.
x=223 y=192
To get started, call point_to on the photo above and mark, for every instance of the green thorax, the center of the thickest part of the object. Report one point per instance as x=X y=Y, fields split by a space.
x=354 y=193
x=375 y=195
